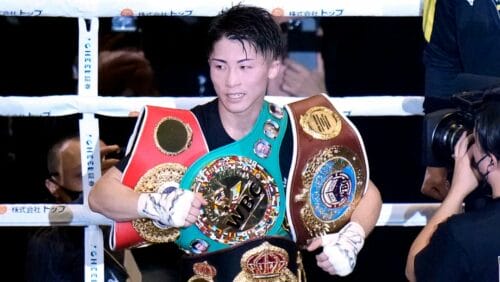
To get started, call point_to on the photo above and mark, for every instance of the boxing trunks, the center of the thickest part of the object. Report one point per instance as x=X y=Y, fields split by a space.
x=329 y=170
x=243 y=185
x=165 y=142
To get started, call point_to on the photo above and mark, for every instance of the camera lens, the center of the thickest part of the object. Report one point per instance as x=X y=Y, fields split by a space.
x=447 y=133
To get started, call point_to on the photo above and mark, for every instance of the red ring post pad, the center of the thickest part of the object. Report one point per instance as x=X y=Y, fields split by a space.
x=147 y=152
x=329 y=172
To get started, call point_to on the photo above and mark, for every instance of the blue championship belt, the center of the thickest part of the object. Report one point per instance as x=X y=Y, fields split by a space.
x=329 y=172
x=243 y=185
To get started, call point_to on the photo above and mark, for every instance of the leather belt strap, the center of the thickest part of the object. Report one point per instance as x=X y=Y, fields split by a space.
x=329 y=172
x=165 y=142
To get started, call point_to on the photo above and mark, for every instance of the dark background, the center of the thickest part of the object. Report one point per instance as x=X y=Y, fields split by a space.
x=363 y=56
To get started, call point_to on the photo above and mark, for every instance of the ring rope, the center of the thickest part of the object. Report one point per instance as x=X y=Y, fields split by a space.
x=89 y=103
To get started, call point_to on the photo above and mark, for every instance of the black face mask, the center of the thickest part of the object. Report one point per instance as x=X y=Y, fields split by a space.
x=73 y=195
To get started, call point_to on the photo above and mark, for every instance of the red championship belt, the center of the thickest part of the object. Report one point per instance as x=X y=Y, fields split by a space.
x=167 y=141
x=329 y=171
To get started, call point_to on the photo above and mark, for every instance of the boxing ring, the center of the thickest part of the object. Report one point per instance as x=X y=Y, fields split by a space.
x=87 y=101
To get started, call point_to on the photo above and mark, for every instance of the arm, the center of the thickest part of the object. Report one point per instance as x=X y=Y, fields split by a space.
x=463 y=183
x=113 y=199
x=435 y=184
x=340 y=249
x=442 y=65
x=368 y=210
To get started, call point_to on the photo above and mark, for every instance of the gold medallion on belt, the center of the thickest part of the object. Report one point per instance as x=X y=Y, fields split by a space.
x=321 y=123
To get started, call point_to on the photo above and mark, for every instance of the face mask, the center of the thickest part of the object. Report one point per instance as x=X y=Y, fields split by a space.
x=73 y=195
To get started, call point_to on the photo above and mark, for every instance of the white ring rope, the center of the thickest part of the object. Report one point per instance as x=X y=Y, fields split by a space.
x=122 y=106
x=89 y=103
x=109 y=8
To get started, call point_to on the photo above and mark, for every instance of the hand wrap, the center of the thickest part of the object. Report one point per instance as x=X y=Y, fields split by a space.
x=343 y=247
x=168 y=208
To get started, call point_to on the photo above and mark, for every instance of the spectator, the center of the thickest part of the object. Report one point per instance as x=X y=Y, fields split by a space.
x=456 y=246
x=57 y=253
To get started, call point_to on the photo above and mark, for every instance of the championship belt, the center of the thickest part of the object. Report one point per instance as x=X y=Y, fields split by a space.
x=165 y=142
x=329 y=171
x=243 y=186
x=266 y=259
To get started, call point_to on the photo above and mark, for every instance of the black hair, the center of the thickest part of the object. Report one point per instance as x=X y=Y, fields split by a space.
x=487 y=126
x=254 y=25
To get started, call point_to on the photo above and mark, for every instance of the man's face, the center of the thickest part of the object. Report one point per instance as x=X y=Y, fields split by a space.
x=240 y=75
x=66 y=186
x=70 y=168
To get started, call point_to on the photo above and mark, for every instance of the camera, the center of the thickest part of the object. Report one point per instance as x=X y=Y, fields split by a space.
x=443 y=128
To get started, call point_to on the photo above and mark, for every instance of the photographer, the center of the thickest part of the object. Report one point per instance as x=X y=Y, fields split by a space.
x=442 y=130
x=456 y=246
x=463 y=39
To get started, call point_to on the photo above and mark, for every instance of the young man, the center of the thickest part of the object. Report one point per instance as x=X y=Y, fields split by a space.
x=456 y=246
x=245 y=51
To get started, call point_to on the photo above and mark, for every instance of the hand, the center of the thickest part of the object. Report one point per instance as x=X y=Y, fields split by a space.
x=465 y=179
x=435 y=184
x=340 y=249
x=107 y=163
x=298 y=80
x=174 y=207
x=294 y=79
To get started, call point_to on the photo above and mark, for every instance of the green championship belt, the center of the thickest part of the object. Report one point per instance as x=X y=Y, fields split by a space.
x=329 y=172
x=243 y=185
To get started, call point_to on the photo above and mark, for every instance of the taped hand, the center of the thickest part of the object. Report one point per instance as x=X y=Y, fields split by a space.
x=340 y=249
x=174 y=207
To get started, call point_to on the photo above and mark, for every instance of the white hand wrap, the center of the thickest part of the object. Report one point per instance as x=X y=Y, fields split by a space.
x=167 y=209
x=342 y=248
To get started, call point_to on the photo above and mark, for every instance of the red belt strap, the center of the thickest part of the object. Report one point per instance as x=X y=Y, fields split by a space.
x=162 y=136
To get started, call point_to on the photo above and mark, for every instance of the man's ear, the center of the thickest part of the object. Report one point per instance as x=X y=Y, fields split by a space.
x=56 y=192
x=52 y=187
x=274 y=69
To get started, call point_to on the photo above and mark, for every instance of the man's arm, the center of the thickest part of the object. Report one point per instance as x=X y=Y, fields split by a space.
x=173 y=207
x=340 y=249
x=463 y=183
x=113 y=199
x=451 y=205
x=368 y=210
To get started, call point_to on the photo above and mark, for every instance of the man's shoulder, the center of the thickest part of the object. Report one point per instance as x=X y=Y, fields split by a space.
x=203 y=110
x=469 y=225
